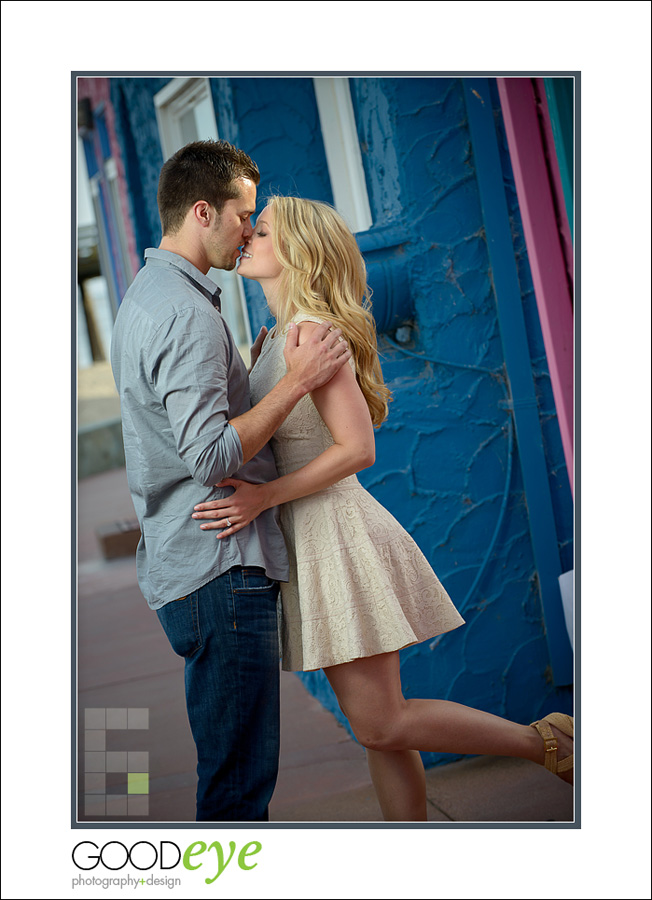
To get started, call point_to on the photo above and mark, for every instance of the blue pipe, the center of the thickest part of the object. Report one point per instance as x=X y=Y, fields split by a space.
x=518 y=365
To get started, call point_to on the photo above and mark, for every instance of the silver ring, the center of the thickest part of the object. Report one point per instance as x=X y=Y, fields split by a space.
x=228 y=522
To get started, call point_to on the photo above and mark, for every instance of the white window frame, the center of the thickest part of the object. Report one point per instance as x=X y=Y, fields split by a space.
x=175 y=99
x=343 y=154
x=111 y=174
x=171 y=103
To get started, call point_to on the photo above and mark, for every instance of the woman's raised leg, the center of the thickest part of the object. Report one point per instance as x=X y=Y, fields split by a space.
x=369 y=693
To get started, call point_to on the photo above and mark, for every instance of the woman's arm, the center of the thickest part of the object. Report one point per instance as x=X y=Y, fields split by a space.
x=257 y=346
x=344 y=410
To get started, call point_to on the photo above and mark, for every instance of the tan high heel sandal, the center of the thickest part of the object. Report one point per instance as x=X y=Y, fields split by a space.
x=565 y=724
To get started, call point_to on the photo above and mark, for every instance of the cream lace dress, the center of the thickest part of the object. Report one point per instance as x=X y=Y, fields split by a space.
x=359 y=585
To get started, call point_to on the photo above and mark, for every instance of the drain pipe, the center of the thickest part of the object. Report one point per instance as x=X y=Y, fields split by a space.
x=519 y=371
x=544 y=248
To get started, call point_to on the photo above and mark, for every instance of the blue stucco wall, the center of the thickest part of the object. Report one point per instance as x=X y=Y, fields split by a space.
x=137 y=132
x=447 y=465
x=278 y=125
x=443 y=454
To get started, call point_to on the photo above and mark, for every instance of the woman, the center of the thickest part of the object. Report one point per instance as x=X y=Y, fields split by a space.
x=359 y=589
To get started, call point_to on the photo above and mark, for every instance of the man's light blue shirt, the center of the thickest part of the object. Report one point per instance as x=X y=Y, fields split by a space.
x=181 y=379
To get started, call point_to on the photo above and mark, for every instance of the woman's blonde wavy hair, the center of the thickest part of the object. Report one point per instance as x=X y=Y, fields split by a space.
x=324 y=275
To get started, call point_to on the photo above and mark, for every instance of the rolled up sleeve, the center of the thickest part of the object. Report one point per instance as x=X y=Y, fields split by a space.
x=188 y=362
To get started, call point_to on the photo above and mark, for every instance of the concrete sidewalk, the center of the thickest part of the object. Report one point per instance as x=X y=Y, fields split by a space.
x=125 y=661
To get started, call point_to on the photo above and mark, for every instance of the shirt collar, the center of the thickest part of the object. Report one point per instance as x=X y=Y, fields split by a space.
x=158 y=257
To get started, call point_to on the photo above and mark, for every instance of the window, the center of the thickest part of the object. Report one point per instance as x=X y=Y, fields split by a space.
x=184 y=109
x=343 y=151
x=185 y=113
x=103 y=263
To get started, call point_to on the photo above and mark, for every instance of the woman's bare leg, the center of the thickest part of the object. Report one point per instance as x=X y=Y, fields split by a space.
x=369 y=693
x=400 y=784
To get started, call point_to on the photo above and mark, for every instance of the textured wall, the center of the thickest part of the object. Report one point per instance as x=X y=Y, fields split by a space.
x=278 y=125
x=443 y=456
x=133 y=100
x=447 y=466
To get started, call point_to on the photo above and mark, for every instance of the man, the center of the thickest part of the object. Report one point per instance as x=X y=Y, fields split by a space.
x=187 y=424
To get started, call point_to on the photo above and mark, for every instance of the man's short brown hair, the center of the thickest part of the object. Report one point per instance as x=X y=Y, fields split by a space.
x=203 y=170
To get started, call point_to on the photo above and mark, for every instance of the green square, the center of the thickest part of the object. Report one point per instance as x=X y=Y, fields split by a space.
x=138 y=782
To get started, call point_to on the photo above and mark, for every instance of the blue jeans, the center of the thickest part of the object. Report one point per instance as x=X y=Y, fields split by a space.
x=227 y=634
